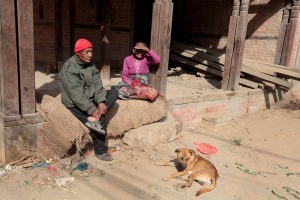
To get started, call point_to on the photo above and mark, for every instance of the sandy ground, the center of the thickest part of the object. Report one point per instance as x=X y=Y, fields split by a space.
x=257 y=158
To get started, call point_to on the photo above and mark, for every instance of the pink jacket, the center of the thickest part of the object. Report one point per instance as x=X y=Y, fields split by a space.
x=133 y=67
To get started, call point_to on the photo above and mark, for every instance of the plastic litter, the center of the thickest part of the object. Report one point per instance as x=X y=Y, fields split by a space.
x=81 y=166
x=206 y=148
x=62 y=182
x=7 y=167
x=54 y=171
x=2 y=173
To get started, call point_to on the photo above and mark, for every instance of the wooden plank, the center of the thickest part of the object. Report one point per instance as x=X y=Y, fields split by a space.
x=269 y=67
x=9 y=59
x=195 y=56
x=248 y=83
x=199 y=53
x=26 y=56
x=196 y=65
x=105 y=38
x=219 y=56
x=266 y=77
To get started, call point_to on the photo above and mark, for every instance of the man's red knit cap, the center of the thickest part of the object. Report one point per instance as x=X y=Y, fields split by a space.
x=82 y=44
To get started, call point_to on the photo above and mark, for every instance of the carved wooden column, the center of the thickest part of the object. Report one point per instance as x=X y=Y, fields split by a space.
x=290 y=33
x=230 y=43
x=282 y=30
x=235 y=45
x=160 y=41
x=18 y=115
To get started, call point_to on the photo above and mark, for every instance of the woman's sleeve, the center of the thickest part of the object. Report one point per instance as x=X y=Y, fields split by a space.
x=153 y=58
x=125 y=76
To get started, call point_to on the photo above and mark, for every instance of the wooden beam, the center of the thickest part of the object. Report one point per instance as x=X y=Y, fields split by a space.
x=160 y=41
x=106 y=6
x=26 y=58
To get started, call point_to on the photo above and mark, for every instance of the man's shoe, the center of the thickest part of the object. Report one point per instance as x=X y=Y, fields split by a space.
x=96 y=126
x=104 y=157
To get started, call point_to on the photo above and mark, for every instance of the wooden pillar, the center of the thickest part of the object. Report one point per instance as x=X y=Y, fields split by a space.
x=18 y=113
x=290 y=33
x=281 y=35
x=106 y=6
x=11 y=108
x=160 y=41
x=235 y=45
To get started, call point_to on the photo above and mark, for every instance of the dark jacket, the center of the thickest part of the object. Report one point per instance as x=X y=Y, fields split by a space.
x=81 y=85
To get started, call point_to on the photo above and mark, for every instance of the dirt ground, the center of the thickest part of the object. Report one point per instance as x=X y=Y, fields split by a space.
x=257 y=158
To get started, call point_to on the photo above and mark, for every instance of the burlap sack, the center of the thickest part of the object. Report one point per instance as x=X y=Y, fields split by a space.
x=129 y=114
x=65 y=134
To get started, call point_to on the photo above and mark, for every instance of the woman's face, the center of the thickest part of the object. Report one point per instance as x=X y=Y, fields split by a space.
x=139 y=53
x=86 y=55
x=139 y=50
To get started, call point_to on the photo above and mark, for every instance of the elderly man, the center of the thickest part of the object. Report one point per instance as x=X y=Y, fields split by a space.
x=82 y=92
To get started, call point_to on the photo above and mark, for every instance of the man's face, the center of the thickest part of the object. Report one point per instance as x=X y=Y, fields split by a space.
x=86 y=55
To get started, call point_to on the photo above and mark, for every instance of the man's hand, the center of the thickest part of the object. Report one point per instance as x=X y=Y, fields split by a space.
x=102 y=108
x=97 y=114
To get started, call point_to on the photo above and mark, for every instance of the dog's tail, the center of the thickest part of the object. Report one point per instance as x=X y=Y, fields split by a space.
x=210 y=187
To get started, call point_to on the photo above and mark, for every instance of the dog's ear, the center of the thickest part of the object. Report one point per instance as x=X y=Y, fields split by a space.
x=192 y=152
x=177 y=151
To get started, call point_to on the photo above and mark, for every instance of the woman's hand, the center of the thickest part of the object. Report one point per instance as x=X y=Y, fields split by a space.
x=142 y=48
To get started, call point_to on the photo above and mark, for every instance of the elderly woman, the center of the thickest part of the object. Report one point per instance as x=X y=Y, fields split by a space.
x=135 y=74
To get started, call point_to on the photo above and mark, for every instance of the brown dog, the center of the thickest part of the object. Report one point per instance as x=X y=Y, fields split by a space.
x=198 y=168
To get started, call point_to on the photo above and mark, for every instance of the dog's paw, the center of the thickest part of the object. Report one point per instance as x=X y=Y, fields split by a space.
x=166 y=178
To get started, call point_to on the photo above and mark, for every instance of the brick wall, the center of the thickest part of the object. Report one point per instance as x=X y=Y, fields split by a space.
x=44 y=34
